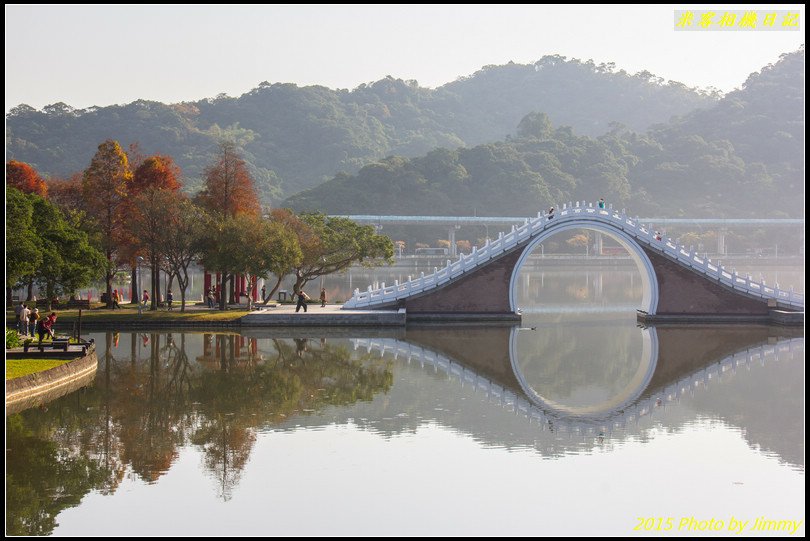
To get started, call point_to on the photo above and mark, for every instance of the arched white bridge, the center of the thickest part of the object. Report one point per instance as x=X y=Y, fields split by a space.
x=494 y=269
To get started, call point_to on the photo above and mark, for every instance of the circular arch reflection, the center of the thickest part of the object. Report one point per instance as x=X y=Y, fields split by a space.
x=633 y=383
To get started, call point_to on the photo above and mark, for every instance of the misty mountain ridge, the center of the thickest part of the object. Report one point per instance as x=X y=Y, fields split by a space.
x=741 y=156
x=295 y=138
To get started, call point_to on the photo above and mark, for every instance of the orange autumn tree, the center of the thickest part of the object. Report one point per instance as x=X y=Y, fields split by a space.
x=156 y=179
x=66 y=193
x=25 y=178
x=104 y=186
x=229 y=191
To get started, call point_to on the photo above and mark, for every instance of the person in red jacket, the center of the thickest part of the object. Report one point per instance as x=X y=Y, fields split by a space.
x=46 y=326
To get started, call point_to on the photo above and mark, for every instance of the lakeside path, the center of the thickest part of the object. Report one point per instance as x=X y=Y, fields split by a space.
x=199 y=316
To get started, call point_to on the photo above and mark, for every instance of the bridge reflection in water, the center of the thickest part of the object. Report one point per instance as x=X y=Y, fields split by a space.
x=672 y=361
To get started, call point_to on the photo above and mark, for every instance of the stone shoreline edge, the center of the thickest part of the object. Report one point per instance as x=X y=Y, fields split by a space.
x=41 y=387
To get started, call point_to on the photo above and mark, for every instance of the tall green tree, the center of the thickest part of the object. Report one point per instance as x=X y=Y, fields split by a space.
x=69 y=261
x=183 y=234
x=23 y=247
x=340 y=243
x=249 y=245
x=105 y=185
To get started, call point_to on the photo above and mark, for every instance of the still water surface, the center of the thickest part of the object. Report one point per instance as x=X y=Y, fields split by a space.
x=577 y=421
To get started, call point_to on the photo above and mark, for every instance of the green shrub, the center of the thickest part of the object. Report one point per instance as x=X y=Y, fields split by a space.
x=12 y=338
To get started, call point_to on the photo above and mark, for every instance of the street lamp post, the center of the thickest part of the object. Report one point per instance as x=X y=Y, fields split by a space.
x=138 y=281
x=323 y=261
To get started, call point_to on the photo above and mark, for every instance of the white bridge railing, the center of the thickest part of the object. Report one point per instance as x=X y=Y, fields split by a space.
x=520 y=236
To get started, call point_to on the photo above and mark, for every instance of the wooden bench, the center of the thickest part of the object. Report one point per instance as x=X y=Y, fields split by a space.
x=56 y=343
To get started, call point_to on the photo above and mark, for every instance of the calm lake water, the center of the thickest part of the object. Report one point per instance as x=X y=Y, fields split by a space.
x=578 y=421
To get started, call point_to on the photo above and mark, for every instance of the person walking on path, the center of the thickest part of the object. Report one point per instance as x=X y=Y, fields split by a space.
x=145 y=298
x=116 y=299
x=264 y=293
x=601 y=203
x=32 y=322
x=169 y=299
x=323 y=297
x=302 y=300
x=210 y=298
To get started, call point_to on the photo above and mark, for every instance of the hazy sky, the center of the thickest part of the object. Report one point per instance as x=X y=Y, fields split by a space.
x=89 y=55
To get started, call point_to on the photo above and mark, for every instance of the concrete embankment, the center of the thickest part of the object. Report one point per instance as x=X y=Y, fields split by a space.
x=42 y=387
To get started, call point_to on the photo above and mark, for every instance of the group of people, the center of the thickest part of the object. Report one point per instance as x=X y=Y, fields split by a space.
x=600 y=205
x=145 y=299
x=29 y=321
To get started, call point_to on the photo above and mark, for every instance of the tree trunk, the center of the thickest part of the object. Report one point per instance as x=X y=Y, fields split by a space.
x=223 y=291
x=182 y=284
x=231 y=290
x=134 y=285
x=49 y=294
x=273 y=291
x=249 y=291
x=300 y=282
x=30 y=292
x=9 y=291
x=109 y=277
x=155 y=284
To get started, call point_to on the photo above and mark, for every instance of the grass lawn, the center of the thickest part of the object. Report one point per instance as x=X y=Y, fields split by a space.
x=130 y=313
x=16 y=368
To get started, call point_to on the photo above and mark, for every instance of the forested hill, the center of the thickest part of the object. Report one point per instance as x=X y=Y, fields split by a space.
x=296 y=138
x=743 y=156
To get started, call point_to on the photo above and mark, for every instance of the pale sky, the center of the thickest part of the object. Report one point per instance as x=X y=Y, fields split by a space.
x=90 y=55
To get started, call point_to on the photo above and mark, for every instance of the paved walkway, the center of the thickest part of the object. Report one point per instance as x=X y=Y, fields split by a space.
x=331 y=314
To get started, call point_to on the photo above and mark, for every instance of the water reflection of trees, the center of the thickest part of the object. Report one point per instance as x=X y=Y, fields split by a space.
x=142 y=411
